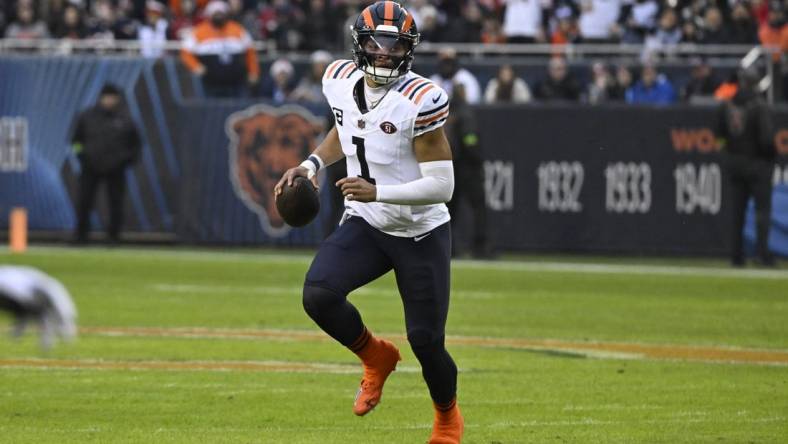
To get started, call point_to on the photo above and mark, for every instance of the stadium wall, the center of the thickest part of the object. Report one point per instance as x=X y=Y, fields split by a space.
x=558 y=178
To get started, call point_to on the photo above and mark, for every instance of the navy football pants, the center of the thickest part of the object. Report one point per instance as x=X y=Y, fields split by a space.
x=356 y=254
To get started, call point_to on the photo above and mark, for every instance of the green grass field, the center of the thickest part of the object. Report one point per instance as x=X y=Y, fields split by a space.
x=184 y=346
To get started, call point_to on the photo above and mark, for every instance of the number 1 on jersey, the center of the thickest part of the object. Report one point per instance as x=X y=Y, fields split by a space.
x=362 y=159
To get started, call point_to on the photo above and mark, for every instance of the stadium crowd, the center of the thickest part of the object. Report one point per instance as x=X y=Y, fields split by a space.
x=323 y=25
x=309 y=25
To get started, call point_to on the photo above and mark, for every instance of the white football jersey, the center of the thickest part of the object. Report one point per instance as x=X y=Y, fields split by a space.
x=378 y=144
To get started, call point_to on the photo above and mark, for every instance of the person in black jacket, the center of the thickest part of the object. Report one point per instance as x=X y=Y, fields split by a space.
x=468 y=173
x=106 y=141
x=746 y=130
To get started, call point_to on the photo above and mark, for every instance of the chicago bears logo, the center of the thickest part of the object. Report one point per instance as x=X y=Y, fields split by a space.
x=388 y=127
x=264 y=143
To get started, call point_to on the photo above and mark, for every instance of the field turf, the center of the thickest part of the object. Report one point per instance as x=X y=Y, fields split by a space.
x=189 y=346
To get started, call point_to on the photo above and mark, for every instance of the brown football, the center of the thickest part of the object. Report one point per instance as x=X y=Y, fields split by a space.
x=298 y=204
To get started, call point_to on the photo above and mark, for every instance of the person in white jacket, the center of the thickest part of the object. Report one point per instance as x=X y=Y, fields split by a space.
x=506 y=87
x=33 y=296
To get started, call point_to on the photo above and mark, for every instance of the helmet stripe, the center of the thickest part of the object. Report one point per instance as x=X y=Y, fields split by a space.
x=368 y=18
x=388 y=13
x=408 y=22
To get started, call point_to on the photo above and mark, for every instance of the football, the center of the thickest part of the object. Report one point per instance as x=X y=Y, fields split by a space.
x=299 y=203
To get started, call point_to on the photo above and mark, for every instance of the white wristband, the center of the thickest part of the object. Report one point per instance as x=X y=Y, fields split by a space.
x=314 y=164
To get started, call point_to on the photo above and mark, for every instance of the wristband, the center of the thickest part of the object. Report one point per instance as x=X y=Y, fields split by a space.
x=313 y=163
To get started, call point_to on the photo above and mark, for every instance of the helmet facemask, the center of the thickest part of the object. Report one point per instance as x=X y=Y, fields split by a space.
x=383 y=56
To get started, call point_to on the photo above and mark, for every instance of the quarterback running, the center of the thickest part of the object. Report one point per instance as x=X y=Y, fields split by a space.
x=388 y=124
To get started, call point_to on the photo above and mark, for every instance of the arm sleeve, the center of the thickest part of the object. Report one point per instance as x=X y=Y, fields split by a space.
x=435 y=186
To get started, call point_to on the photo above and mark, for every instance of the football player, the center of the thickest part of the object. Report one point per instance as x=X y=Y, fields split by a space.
x=388 y=125
x=31 y=295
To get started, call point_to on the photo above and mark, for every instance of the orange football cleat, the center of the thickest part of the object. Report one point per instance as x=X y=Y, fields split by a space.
x=379 y=358
x=448 y=426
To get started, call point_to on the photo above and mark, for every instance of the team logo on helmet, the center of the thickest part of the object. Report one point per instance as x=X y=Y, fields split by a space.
x=264 y=143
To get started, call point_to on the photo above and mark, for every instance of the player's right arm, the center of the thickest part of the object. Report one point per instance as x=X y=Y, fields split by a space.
x=328 y=152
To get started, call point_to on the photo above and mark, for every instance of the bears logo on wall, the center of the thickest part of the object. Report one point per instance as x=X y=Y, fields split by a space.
x=264 y=143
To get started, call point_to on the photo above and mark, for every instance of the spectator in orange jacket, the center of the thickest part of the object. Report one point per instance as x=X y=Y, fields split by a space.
x=220 y=51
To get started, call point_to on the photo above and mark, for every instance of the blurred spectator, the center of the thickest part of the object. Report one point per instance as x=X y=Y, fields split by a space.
x=153 y=33
x=743 y=30
x=653 y=88
x=107 y=142
x=566 y=30
x=3 y=20
x=714 y=31
x=280 y=22
x=602 y=87
x=598 y=20
x=507 y=88
x=428 y=27
x=185 y=18
x=559 y=85
x=280 y=86
x=727 y=89
x=71 y=25
x=690 y=33
x=126 y=25
x=623 y=82
x=702 y=84
x=102 y=21
x=637 y=20
x=463 y=136
x=320 y=29
x=744 y=124
x=465 y=25
x=668 y=34
x=450 y=73
x=492 y=32
x=774 y=33
x=523 y=21
x=27 y=25
x=310 y=87
x=220 y=51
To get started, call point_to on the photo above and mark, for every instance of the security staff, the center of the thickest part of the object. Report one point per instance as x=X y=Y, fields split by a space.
x=106 y=141
x=745 y=127
x=468 y=172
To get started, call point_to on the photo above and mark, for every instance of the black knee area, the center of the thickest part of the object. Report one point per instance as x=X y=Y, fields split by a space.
x=319 y=300
x=424 y=340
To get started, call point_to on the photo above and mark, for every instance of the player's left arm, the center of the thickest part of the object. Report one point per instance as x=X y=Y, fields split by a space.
x=436 y=185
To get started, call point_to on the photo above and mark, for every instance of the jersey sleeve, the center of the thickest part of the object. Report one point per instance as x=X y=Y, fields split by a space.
x=337 y=70
x=433 y=108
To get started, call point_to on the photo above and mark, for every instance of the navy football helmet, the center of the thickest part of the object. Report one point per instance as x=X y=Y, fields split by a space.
x=384 y=38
